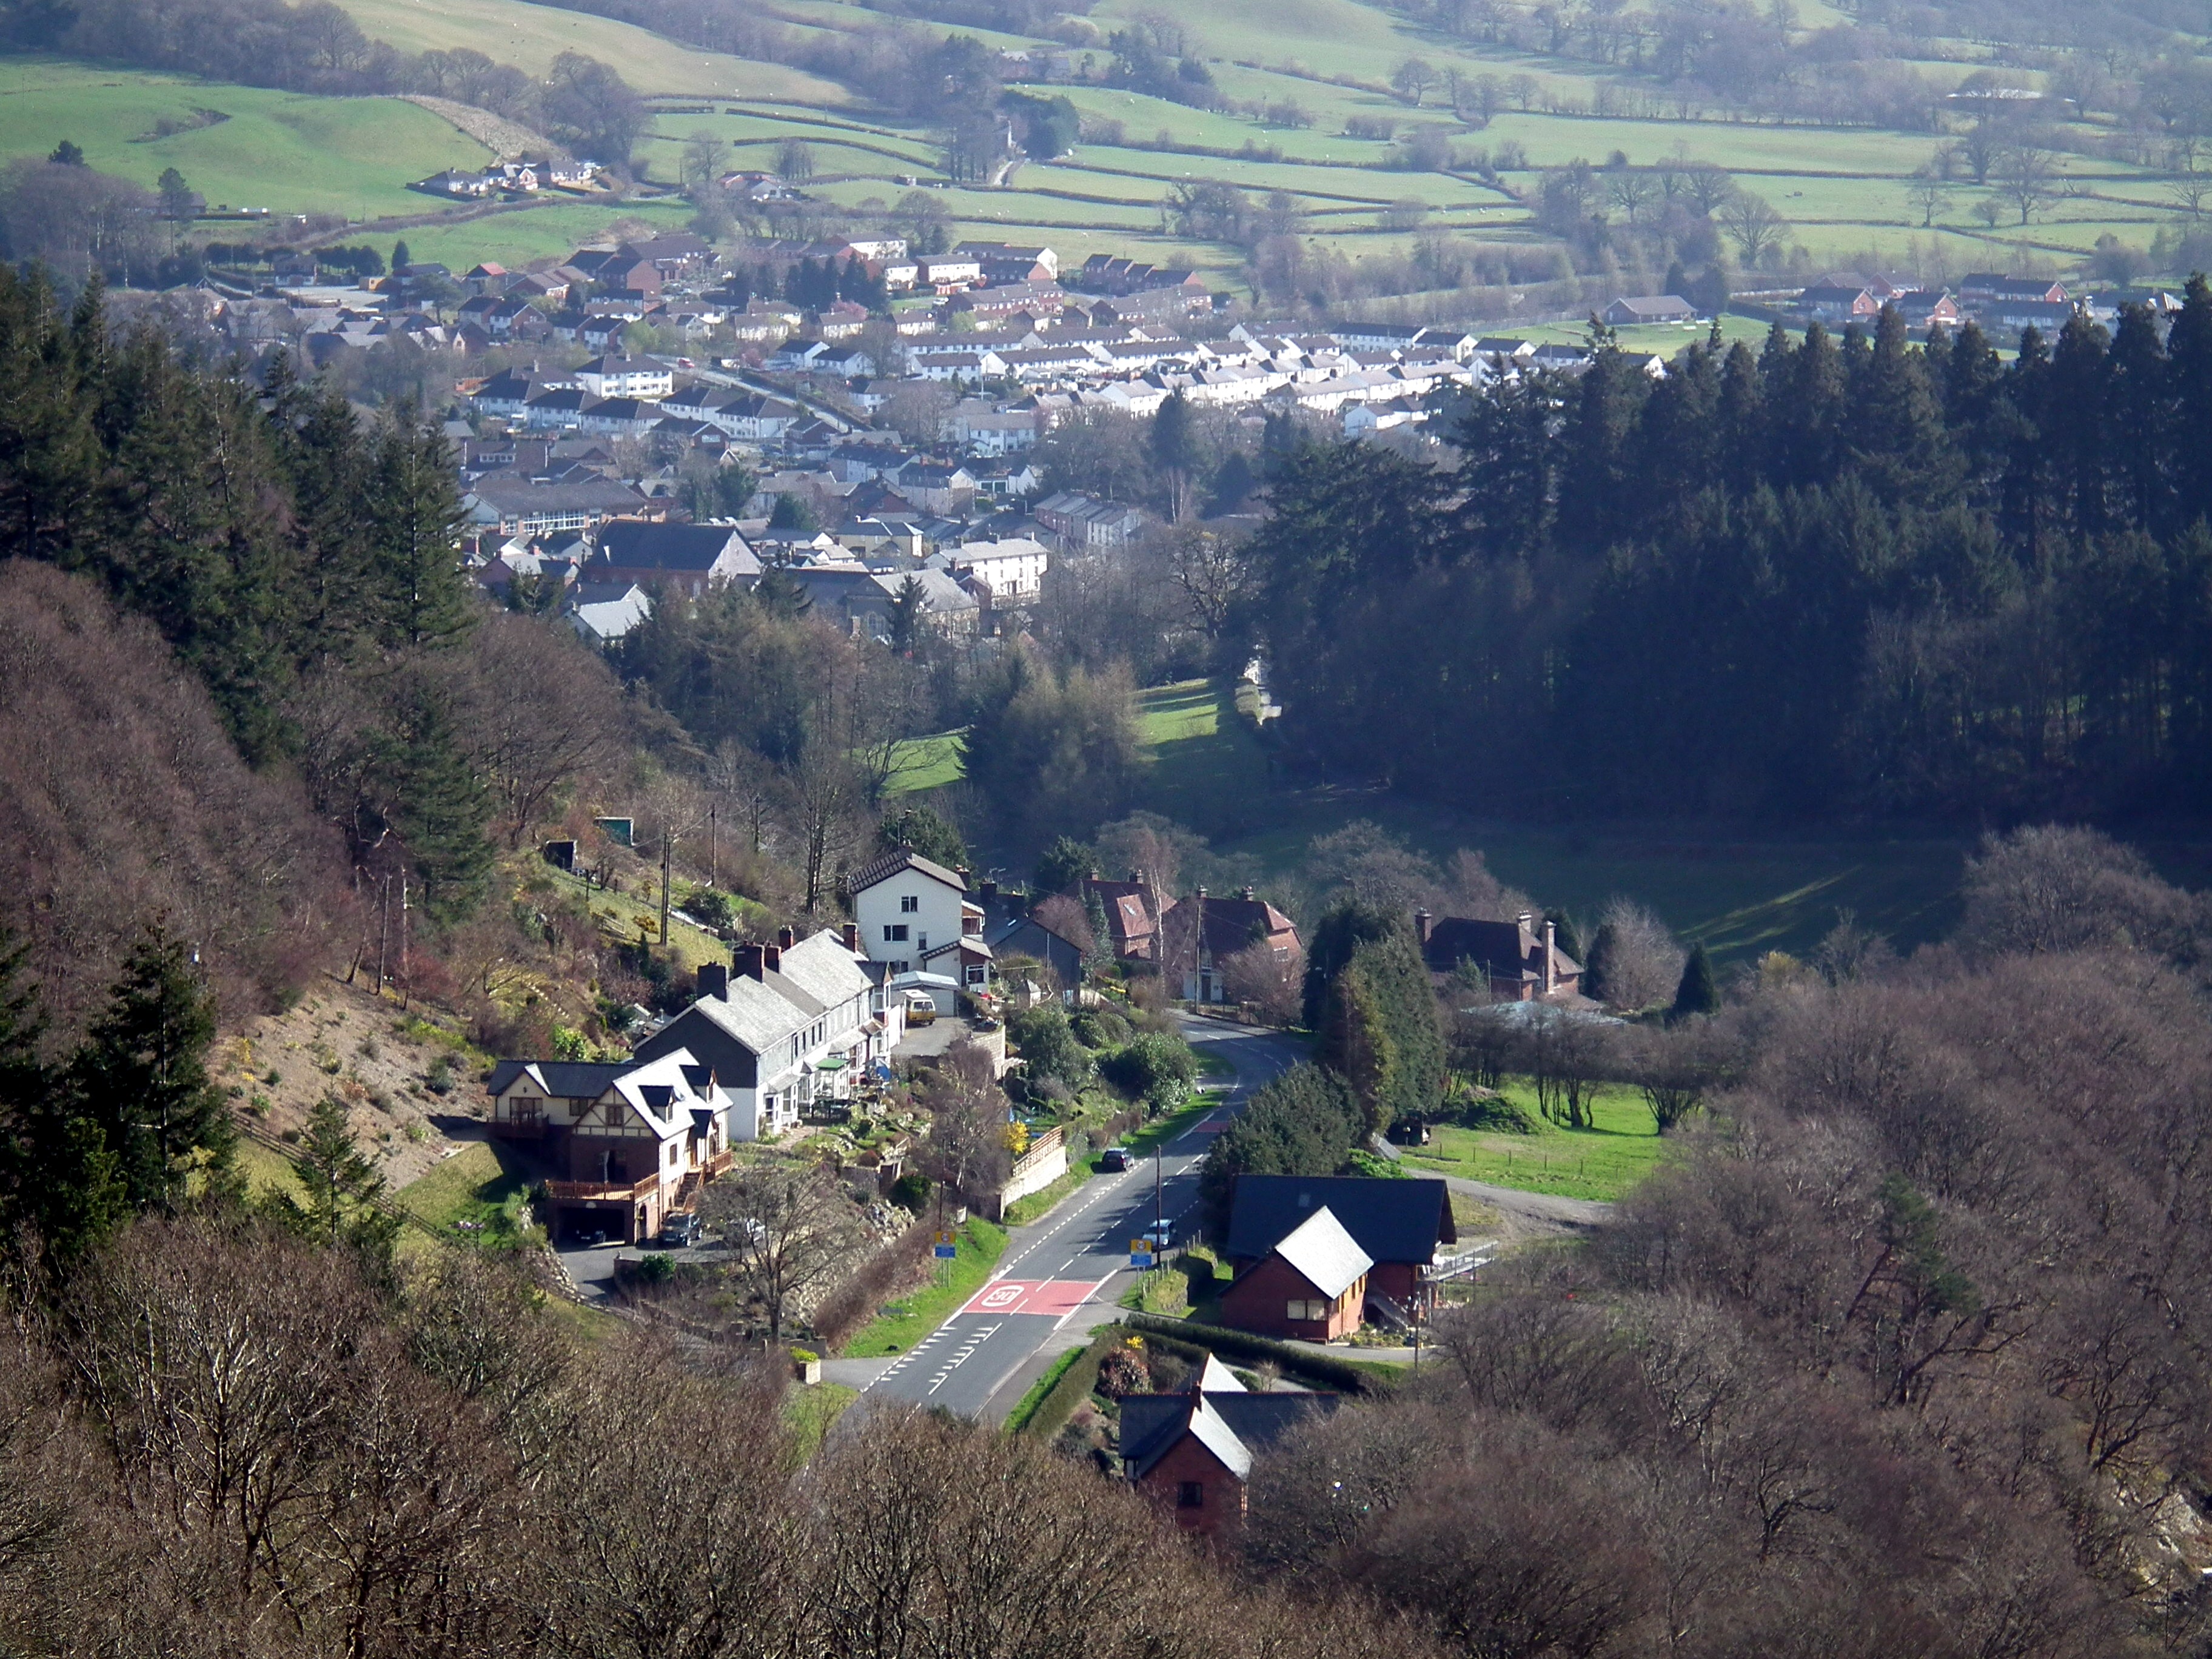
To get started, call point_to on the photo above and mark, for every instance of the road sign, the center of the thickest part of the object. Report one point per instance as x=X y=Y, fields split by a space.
x=1140 y=1247
x=1141 y=1258
x=946 y=1252
x=944 y=1238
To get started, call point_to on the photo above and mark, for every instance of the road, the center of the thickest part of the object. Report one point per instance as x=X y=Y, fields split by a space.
x=1074 y=1261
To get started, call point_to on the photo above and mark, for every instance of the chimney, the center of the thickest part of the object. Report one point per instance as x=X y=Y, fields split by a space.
x=851 y=932
x=1551 y=946
x=1422 y=922
x=784 y=938
x=1200 y=895
x=988 y=891
x=714 y=980
x=963 y=873
x=772 y=957
x=1248 y=895
x=749 y=959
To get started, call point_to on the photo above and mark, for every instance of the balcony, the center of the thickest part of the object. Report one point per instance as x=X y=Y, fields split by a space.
x=576 y=1190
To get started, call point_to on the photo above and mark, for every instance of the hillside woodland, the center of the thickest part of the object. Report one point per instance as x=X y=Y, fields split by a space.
x=1832 y=576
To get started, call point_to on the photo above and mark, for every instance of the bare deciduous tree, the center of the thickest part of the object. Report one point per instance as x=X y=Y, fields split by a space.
x=790 y=1233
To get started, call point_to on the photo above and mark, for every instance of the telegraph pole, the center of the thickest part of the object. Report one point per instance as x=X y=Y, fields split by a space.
x=1159 y=1210
x=711 y=809
x=667 y=845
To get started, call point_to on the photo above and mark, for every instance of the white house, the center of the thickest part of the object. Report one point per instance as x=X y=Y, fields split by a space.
x=626 y=377
x=792 y=1026
x=1009 y=572
x=914 y=916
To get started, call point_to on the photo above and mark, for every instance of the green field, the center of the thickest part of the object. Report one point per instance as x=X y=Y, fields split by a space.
x=1603 y=1161
x=531 y=37
x=287 y=152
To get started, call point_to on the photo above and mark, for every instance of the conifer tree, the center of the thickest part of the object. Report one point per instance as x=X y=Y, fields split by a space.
x=442 y=806
x=342 y=1188
x=1698 y=993
x=415 y=518
x=142 y=1076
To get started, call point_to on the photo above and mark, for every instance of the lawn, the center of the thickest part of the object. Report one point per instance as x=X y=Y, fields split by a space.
x=540 y=232
x=928 y=763
x=287 y=152
x=1603 y=1162
x=481 y=1186
x=905 y=1321
x=811 y=1412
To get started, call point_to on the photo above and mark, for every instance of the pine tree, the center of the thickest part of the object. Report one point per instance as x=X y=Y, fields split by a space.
x=1599 y=964
x=415 y=519
x=1697 y=994
x=442 y=807
x=142 y=1076
x=906 y=615
x=342 y=1188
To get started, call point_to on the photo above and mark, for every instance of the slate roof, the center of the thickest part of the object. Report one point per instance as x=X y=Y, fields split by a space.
x=891 y=864
x=1390 y=1220
x=823 y=969
x=637 y=545
x=1325 y=1256
x=1502 y=949
x=1233 y=1425
x=563 y=1079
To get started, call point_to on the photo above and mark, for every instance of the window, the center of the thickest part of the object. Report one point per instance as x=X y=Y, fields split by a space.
x=671 y=1152
x=1190 y=1494
x=910 y=905
x=894 y=933
x=1308 y=1310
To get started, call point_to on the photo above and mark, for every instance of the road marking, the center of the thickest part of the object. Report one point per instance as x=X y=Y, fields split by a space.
x=1031 y=1296
x=961 y=1356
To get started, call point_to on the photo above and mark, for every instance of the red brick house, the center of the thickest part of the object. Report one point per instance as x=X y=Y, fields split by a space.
x=1198 y=933
x=1522 y=959
x=1132 y=914
x=1397 y=1224
x=1311 y=1285
x=1193 y=1452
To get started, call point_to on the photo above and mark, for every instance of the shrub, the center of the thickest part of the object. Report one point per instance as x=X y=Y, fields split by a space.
x=656 y=1268
x=1049 y=1047
x=1099 y=1027
x=1154 y=1068
x=910 y=1191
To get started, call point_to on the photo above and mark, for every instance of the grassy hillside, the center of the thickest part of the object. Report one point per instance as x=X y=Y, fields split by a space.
x=283 y=151
x=531 y=37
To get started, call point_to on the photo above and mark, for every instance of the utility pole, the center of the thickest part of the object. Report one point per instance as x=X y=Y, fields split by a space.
x=403 y=936
x=667 y=846
x=712 y=809
x=1159 y=1210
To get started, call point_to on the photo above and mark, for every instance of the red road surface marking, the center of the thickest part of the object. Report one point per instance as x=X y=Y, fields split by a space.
x=1212 y=1126
x=1053 y=1297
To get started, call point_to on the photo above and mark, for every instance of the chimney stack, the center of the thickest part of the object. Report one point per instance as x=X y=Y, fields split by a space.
x=714 y=980
x=963 y=873
x=784 y=938
x=749 y=959
x=988 y=892
x=1551 y=946
x=772 y=957
x=851 y=932
x=1249 y=895
x=1422 y=922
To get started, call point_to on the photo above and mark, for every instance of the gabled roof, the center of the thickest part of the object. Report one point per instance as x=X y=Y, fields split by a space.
x=1214 y=1377
x=1233 y=1426
x=1325 y=1255
x=824 y=970
x=1389 y=1220
x=562 y=1079
x=638 y=543
x=892 y=863
x=758 y=1013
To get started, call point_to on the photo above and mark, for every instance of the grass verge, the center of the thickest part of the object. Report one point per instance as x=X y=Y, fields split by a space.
x=1040 y=1203
x=1026 y=1408
x=905 y=1323
x=1160 y=1131
x=1602 y=1162
x=1073 y=1387
x=811 y=1412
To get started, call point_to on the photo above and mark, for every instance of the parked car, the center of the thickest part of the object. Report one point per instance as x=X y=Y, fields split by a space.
x=920 y=1008
x=680 y=1231
x=1114 y=1157
x=1159 y=1236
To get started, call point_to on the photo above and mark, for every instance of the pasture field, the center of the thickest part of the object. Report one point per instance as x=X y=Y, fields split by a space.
x=1602 y=1162
x=287 y=152
x=516 y=237
x=531 y=37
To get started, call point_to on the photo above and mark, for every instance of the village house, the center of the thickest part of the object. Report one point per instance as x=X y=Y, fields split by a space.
x=1398 y=1225
x=1630 y=311
x=787 y=1028
x=1079 y=520
x=626 y=377
x=516 y=505
x=915 y=917
x=1193 y=1452
x=1132 y=910
x=1198 y=934
x=684 y=558
x=1520 y=961
x=632 y=1142
x=1003 y=575
x=1003 y=263
x=1310 y=1286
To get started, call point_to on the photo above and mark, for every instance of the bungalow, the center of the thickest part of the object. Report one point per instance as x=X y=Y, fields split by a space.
x=1629 y=312
x=633 y=1140
x=1312 y=1285
x=1521 y=962
x=1198 y=934
x=1398 y=1225
x=689 y=558
x=1193 y=1452
x=791 y=1025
